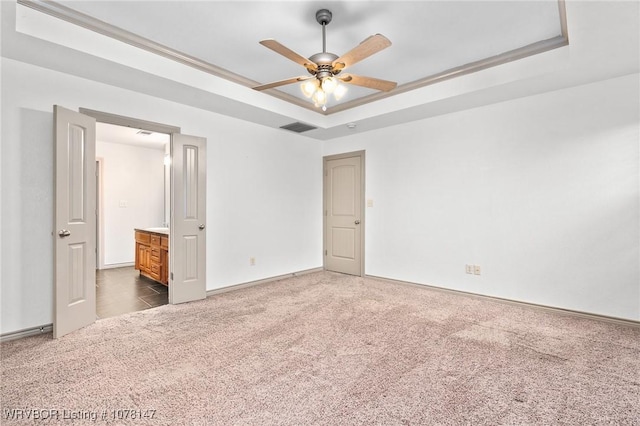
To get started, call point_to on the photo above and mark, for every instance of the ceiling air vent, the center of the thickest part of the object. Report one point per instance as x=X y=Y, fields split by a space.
x=298 y=127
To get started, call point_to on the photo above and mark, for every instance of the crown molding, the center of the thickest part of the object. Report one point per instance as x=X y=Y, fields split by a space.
x=65 y=13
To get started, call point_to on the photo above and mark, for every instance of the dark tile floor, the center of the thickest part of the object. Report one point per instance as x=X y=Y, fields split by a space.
x=123 y=290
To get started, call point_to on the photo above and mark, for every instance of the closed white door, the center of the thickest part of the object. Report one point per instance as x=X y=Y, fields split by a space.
x=187 y=251
x=75 y=221
x=343 y=214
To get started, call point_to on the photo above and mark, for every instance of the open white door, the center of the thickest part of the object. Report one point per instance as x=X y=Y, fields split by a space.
x=188 y=219
x=75 y=221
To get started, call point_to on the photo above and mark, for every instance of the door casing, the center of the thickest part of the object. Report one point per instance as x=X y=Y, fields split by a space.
x=99 y=216
x=325 y=230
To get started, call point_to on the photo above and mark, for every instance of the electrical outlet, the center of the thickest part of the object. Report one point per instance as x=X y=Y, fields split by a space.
x=252 y=261
x=476 y=269
x=468 y=269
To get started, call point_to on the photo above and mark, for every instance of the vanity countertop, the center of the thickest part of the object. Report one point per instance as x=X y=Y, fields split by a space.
x=162 y=231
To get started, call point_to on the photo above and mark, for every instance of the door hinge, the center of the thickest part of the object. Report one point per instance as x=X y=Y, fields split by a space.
x=326 y=212
x=326 y=172
x=171 y=276
x=325 y=252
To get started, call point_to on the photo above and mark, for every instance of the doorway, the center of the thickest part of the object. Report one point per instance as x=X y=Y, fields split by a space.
x=75 y=215
x=343 y=198
x=132 y=192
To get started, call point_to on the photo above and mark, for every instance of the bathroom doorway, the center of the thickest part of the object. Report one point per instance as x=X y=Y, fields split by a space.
x=133 y=192
x=75 y=208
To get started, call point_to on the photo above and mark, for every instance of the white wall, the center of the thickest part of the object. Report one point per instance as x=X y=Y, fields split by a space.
x=132 y=196
x=263 y=188
x=542 y=192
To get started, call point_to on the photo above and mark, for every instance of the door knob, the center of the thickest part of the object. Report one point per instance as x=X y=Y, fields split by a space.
x=201 y=227
x=357 y=222
x=64 y=233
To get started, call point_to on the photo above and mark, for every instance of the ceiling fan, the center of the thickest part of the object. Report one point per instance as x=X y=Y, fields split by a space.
x=324 y=67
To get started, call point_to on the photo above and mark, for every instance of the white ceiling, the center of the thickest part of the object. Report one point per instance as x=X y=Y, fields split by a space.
x=427 y=36
x=111 y=133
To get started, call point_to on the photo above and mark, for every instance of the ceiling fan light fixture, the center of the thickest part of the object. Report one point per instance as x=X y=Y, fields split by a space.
x=320 y=89
x=309 y=87
x=339 y=91
x=329 y=84
x=320 y=97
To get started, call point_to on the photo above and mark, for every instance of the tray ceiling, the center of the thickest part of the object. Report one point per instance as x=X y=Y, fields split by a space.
x=201 y=67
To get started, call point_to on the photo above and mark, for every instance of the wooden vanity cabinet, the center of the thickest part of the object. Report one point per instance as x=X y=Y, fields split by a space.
x=152 y=255
x=164 y=259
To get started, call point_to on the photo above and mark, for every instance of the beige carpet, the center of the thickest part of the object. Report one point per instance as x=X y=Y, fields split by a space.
x=329 y=349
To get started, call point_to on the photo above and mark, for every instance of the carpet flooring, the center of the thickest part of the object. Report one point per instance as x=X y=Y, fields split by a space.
x=329 y=349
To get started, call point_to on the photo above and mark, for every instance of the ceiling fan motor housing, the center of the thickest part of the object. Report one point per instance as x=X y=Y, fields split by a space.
x=324 y=61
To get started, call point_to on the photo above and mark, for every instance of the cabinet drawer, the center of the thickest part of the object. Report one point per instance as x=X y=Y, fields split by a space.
x=155 y=254
x=142 y=237
x=155 y=270
x=164 y=243
x=155 y=240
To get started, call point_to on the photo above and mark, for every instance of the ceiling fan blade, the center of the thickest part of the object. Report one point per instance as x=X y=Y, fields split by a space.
x=280 y=83
x=368 y=47
x=288 y=53
x=370 y=82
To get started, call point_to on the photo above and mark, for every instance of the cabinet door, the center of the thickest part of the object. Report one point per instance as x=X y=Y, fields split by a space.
x=147 y=258
x=139 y=256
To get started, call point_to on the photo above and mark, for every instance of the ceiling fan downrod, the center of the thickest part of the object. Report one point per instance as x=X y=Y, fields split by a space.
x=323 y=17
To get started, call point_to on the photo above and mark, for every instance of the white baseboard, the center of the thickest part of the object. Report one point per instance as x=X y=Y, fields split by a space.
x=588 y=315
x=32 y=331
x=262 y=281
x=47 y=328
x=118 y=265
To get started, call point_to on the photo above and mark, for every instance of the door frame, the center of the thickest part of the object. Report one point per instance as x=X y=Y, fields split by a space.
x=363 y=222
x=118 y=120
x=99 y=215
x=121 y=120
